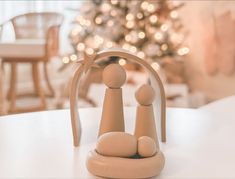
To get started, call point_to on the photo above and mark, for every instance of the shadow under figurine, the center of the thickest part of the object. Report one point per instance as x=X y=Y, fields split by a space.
x=119 y=154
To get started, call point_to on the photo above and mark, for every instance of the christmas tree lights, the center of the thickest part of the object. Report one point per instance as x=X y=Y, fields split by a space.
x=151 y=28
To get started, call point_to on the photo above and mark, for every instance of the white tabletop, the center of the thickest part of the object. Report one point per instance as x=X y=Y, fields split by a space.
x=199 y=144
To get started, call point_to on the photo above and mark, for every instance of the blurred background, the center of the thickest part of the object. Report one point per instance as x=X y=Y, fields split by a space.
x=189 y=43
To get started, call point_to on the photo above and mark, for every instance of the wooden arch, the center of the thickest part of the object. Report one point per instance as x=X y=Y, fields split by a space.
x=86 y=65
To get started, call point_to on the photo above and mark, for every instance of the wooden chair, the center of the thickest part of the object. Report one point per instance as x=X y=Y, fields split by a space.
x=36 y=40
x=2 y=100
x=2 y=104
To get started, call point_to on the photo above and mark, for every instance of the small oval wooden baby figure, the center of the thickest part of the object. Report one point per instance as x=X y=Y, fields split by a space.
x=114 y=76
x=146 y=147
x=145 y=120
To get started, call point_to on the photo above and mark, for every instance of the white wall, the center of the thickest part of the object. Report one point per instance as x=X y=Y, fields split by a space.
x=196 y=15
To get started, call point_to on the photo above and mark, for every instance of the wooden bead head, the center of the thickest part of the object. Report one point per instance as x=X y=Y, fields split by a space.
x=145 y=95
x=114 y=76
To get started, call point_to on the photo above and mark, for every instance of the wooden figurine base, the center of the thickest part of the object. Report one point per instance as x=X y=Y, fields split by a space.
x=116 y=167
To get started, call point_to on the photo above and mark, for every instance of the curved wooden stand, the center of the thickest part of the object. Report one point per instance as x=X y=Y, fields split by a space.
x=116 y=167
x=88 y=62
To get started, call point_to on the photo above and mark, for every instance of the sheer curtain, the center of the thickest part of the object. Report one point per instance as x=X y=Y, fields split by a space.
x=9 y=9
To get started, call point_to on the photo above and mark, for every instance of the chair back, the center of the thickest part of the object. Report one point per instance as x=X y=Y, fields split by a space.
x=35 y=25
x=41 y=25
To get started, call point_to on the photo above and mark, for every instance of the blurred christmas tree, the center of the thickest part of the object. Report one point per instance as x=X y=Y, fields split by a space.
x=151 y=28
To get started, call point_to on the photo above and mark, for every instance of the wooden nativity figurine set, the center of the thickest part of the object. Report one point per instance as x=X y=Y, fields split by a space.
x=119 y=154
